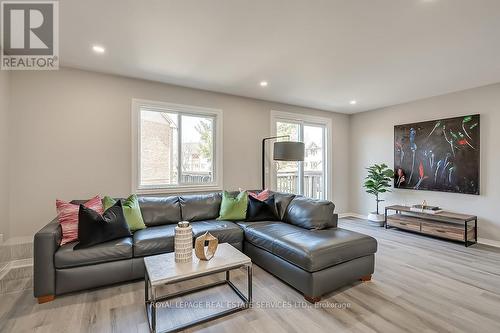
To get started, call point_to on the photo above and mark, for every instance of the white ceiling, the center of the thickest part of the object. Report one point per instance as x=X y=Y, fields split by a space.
x=314 y=53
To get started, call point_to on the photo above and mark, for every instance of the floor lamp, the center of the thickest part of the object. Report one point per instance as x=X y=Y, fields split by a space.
x=283 y=151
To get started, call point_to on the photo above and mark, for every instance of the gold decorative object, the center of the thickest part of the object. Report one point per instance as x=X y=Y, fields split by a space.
x=424 y=205
x=199 y=246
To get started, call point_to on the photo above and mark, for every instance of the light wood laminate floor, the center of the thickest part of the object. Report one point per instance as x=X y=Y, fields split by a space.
x=420 y=284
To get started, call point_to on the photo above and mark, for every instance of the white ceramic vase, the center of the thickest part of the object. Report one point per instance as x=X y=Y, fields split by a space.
x=376 y=219
x=183 y=242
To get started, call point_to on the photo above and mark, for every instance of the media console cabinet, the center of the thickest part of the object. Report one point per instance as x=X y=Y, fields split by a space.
x=449 y=225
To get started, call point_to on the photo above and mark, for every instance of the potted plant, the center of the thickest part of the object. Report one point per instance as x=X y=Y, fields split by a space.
x=376 y=183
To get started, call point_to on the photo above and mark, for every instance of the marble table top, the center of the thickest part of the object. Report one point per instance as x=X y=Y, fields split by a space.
x=163 y=269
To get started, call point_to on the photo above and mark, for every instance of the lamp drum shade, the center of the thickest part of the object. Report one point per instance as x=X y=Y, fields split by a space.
x=289 y=151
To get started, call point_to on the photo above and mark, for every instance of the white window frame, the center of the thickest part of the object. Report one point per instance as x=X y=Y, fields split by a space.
x=305 y=120
x=181 y=109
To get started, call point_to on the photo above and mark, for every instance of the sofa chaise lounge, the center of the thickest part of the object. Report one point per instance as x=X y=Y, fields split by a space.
x=305 y=248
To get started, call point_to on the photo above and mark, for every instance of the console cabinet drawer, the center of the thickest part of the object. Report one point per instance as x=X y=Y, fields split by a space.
x=403 y=223
x=448 y=231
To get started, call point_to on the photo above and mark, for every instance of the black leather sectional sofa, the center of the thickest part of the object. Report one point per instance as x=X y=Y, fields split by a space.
x=305 y=248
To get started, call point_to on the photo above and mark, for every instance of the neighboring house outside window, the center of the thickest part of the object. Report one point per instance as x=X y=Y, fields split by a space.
x=312 y=177
x=175 y=147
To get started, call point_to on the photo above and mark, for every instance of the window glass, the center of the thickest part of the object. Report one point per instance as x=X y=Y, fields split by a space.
x=175 y=148
x=159 y=135
x=197 y=150
x=287 y=173
x=307 y=178
x=314 y=166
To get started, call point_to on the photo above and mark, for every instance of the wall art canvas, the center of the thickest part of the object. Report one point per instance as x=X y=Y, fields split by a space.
x=439 y=155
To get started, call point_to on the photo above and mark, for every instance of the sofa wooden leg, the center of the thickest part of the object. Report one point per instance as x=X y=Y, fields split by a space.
x=366 y=278
x=312 y=299
x=45 y=299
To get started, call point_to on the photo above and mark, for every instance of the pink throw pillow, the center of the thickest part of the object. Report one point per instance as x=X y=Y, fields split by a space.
x=67 y=214
x=262 y=196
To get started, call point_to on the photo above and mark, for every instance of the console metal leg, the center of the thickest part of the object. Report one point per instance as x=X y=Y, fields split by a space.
x=466 y=236
x=467 y=243
x=475 y=229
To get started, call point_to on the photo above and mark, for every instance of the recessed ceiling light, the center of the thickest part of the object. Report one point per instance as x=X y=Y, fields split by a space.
x=263 y=83
x=98 y=49
x=352 y=102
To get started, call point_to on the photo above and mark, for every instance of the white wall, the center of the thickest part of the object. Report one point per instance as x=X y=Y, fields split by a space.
x=4 y=178
x=371 y=140
x=70 y=134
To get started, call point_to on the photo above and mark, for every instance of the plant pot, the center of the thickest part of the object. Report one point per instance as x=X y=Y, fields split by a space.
x=376 y=219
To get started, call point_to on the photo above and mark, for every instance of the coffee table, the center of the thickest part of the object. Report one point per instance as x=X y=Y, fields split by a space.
x=162 y=270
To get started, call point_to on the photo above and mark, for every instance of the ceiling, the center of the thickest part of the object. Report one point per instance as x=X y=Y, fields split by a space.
x=319 y=54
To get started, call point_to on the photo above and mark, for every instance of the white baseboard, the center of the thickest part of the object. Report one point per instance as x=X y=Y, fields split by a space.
x=21 y=263
x=489 y=242
x=4 y=268
x=15 y=264
x=356 y=215
x=18 y=240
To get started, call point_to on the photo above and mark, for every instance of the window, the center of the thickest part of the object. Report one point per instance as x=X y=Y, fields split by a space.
x=176 y=147
x=310 y=177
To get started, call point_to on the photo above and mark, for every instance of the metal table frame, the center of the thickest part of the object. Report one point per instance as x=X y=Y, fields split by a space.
x=467 y=242
x=152 y=299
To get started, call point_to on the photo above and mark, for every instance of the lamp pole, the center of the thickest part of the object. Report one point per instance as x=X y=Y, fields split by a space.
x=264 y=156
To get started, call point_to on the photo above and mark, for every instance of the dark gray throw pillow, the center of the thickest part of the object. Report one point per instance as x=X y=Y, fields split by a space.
x=258 y=210
x=311 y=213
x=199 y=207
x=94 y=229
x=282 y=201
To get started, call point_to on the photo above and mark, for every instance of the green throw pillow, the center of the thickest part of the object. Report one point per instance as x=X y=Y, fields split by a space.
x=233 y=208
x=131 y=210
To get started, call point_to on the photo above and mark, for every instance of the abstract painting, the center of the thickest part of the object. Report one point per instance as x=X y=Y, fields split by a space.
x=439 y=155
